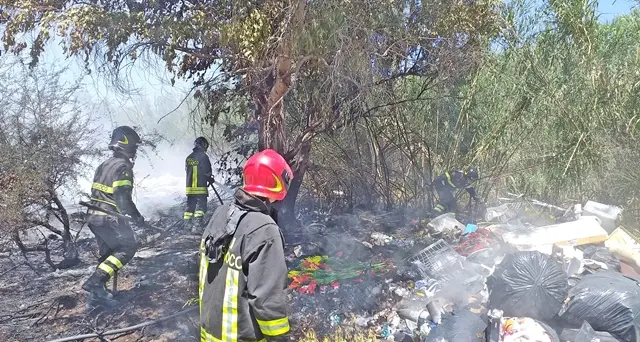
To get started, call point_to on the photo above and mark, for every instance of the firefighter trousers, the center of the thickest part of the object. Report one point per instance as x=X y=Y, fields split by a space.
x=196 y=207
x=116 y=243
x=446 y=201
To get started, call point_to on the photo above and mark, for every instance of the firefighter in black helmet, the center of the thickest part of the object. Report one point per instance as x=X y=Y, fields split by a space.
x=448 y=183
x=111 y=189
x=199 y=176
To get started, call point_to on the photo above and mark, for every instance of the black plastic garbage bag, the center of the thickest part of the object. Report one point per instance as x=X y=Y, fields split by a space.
x=603 y=255
x=607 y=300
x=459 y=326
x=528 y=284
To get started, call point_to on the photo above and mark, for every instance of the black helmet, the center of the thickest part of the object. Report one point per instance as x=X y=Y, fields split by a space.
x=201 y=142
x=472 y=174
x=125 y=140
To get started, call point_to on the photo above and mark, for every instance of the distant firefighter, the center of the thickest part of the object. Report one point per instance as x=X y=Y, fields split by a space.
x=446 y=186
x=199 y=177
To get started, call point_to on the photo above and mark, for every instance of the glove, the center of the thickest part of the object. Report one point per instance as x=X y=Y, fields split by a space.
x=211 y=180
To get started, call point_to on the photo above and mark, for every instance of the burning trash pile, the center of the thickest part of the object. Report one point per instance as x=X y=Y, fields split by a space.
x=530 y=272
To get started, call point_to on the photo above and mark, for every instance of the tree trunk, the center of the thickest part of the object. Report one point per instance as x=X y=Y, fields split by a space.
x=268 y=95
x=64 y=218
x=69 y=251
x=300 y=161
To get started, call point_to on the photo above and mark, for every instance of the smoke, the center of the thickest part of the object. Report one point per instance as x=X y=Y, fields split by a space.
x=159 y=170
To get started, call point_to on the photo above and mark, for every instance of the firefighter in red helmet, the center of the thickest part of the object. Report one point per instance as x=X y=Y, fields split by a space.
x=242 y=266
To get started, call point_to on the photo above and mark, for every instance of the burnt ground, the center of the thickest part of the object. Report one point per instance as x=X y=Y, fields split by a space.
x=39 y=304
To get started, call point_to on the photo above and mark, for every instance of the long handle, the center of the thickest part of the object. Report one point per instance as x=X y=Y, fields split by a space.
x=106 y=211
x=113 y=213
x=216 y=192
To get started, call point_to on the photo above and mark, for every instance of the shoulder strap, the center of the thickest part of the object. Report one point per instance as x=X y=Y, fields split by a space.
x=216 y=245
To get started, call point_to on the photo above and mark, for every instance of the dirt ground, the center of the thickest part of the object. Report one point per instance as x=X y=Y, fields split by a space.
x=39 y=304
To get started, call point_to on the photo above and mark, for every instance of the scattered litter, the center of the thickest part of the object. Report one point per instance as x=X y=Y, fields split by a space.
x=573 y=260
x=380 y=239
x=402 y=292
x=609 y=215
x=460 y=326
x=366 y=244
x=623 y=246
x=621 y=238
x=521 y=329
x=386 y=332
x=470 y=228
x=325 y=271
x=476 y=241
x=501 y=213
x=439 y=261
x=362 y=321
x=335 y=319
x=528 y=284
x=602 y=255
x=435 y=311
x=445 y=224
x=585 y=230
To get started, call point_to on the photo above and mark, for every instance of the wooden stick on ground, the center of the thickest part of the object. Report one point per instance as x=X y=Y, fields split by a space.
x=123 y=330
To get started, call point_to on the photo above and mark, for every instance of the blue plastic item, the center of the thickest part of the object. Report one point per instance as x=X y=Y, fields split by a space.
x=470 y=228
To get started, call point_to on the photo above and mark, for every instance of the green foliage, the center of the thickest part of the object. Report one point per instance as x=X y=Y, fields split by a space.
x=541 y=97
x=548 y=113
x=47 y=144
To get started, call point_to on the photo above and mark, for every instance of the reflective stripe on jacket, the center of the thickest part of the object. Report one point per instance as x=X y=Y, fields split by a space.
x=198 y=168
x=114 y=173
x=242 y=296
x=454 y=180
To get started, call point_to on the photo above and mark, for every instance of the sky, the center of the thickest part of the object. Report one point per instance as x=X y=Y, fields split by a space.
x=610 y=9
x=161 y=177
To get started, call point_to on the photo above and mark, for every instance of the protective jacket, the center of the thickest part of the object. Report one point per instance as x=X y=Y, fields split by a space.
x=242 y=289
x=198 y=167
x=112 y=186
x=453 y=181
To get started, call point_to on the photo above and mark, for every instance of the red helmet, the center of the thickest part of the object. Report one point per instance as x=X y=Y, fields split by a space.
x=267 y=174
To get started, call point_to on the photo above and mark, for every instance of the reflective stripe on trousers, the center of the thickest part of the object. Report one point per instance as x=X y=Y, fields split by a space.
x=274 y=327
x=206 y=337
x=193 y=190
x=111 y=265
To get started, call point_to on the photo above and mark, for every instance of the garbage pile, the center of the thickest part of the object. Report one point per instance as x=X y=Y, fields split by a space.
x=530 y=272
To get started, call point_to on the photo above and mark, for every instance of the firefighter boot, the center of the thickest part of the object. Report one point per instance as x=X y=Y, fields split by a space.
x=97 y=292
